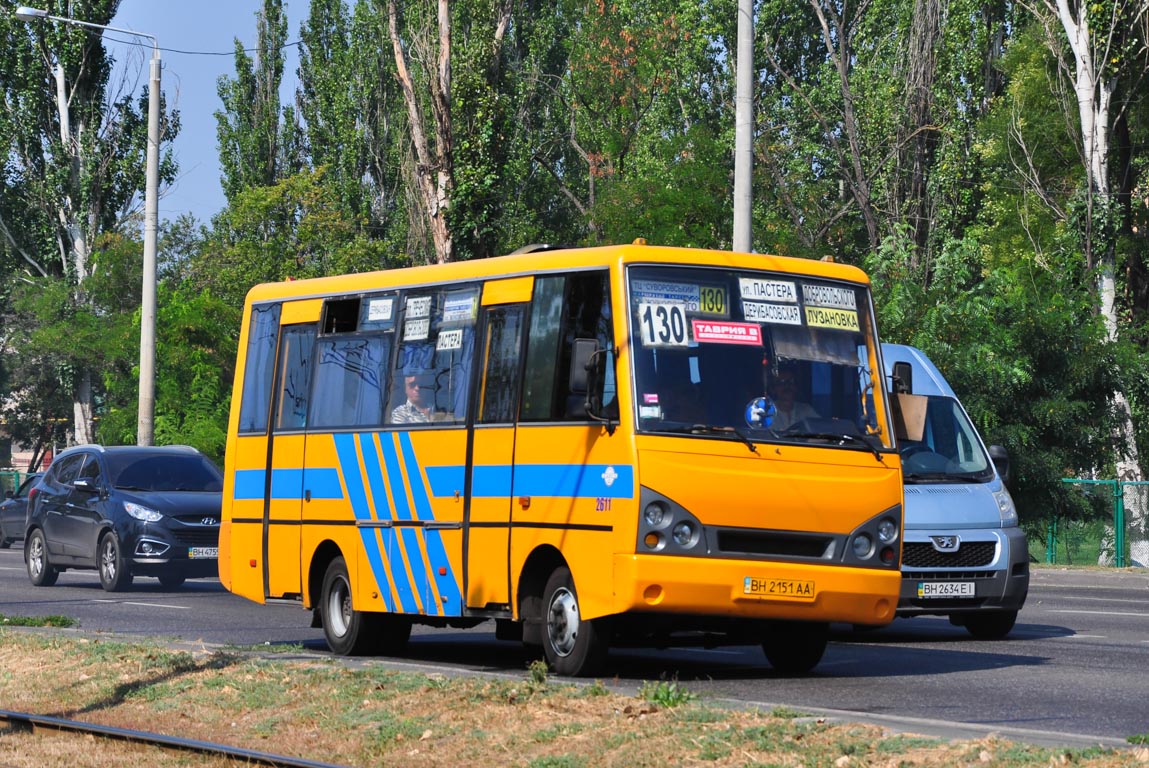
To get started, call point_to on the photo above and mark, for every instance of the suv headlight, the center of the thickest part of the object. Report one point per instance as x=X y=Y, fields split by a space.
x=1005 y=507
x=140 y=512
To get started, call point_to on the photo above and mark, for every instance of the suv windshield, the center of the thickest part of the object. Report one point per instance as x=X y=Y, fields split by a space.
x=755 y=356
x=152 y=472
x=947 y=449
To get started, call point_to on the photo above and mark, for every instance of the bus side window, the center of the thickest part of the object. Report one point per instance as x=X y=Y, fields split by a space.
x=298 y=345
x=436 y=350
x=259 y=369
x=565 y=308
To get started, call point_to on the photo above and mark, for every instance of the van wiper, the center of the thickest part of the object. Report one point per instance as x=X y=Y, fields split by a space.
x=841 y=437
x=940 y=477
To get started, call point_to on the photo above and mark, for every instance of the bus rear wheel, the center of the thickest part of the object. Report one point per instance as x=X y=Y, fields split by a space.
x=349 y=632
x=574 y=647
x=795 y=647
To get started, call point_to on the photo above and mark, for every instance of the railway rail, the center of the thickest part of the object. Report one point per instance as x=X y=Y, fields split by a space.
x=26 y=722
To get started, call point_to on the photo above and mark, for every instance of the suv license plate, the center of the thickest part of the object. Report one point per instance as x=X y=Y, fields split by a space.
x=785 y=589
x=203 y=553
x=945 y=589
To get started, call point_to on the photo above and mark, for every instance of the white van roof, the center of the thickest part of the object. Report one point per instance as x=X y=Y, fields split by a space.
x=928 y=380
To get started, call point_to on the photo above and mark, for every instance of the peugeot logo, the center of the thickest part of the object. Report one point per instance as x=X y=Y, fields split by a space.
x=946 y=543
x=209 y=521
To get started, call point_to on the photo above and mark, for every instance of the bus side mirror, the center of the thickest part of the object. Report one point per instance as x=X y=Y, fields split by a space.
x=588 y=378
x=1000 y=458
x=581 y=356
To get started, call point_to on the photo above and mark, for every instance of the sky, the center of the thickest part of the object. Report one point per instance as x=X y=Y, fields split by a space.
x=188 y=33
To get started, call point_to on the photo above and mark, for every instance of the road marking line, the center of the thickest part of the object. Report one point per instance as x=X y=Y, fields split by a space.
x=146 y=605
x=1104 y=613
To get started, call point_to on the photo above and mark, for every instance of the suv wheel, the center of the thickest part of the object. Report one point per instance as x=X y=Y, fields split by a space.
x=40 y=571
x=115 y=576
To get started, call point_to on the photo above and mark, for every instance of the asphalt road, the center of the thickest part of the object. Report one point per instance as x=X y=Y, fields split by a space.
x=1074 y=672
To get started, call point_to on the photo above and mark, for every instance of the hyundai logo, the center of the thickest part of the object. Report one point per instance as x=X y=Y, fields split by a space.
x=209 y=521
x=946 y=543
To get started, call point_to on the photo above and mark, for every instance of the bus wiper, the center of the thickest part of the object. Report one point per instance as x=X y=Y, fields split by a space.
x=842 y=437
x=708 y=429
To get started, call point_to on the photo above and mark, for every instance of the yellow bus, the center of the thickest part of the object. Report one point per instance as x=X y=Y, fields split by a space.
x=626 y=444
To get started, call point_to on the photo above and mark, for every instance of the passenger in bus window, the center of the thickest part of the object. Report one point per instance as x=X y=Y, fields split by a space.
x=417 y=409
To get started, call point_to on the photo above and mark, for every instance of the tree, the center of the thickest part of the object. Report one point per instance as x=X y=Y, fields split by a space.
x=256 y=149
x=73 y=165
x=1103 y=40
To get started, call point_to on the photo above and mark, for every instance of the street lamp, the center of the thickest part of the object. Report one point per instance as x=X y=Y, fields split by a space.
x=145 y=428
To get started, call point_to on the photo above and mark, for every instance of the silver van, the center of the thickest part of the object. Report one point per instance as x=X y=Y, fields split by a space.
x=963 y=554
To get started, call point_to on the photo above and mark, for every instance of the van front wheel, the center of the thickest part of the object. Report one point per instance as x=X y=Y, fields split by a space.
x=990 y=625
x=574 y=646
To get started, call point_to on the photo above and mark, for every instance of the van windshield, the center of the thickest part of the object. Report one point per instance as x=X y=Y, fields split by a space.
x=754 y=356
x=948 y=450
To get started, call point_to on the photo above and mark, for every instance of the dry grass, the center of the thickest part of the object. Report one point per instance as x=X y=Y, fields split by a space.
x=321 y=710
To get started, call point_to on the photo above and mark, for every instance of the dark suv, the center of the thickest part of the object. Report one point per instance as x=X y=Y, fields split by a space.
x=14 y=512
x=126 y=511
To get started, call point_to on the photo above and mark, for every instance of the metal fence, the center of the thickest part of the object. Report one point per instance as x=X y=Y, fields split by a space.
x=10 y=480
x=1103 y=523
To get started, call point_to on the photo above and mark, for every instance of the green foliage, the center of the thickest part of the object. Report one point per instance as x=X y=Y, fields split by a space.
x=1020 y=347
x=665 y=693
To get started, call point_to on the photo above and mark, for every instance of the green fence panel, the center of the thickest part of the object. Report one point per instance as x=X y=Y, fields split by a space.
x=1105 y=525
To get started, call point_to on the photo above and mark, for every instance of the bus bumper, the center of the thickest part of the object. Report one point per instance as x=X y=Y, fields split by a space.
x=754 y=590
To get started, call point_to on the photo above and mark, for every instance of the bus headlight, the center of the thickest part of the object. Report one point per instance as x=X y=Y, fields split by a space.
x=863 y=546
x=887 y=530
x=684 y=534
x=654 y=513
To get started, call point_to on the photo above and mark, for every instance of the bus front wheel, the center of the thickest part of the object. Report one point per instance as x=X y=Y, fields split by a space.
x=349 y=632
x=795 y=647
x=574 y=646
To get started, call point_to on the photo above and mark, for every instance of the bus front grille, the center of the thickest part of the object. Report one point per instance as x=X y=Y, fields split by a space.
x=775 y=544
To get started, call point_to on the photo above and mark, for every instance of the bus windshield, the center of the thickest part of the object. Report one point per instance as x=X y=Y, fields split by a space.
x=755 y=356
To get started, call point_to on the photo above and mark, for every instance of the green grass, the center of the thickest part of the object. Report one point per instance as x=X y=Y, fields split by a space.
x=38 y=621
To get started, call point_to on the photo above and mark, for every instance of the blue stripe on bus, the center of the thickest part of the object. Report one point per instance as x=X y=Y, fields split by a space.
x=409 y=536
x=581 y=481
x=395 y=477
x=449 y=591
x=287 y=484
x=349 y=459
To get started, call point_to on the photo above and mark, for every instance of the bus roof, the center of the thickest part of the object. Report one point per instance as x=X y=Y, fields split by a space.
x=543 y=261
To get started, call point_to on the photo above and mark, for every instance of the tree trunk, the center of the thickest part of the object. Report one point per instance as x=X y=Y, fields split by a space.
x=1094 y=94
x=77 y=253
x=434 y=174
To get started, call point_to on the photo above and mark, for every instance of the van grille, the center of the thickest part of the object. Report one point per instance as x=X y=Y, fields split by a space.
x=974 y=554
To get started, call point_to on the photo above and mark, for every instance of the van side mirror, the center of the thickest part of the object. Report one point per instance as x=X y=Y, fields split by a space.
x=903 y=378
x=1000 y=458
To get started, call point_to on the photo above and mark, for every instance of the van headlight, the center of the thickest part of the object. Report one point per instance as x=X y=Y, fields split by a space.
x=1005 y=507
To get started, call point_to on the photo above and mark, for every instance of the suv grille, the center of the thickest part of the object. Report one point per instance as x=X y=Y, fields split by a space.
x=974 y=554
x=197 y=537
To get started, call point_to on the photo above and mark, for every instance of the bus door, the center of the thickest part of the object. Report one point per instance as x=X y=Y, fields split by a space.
x=490 y=458
x=284 y=493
